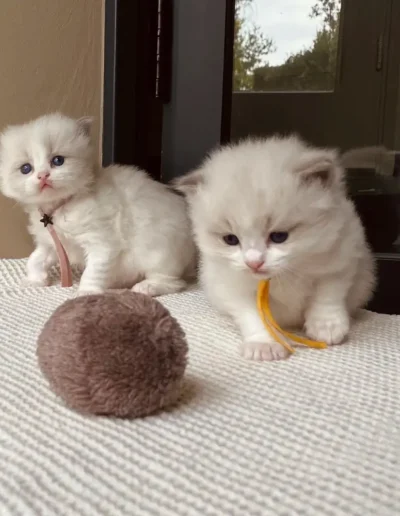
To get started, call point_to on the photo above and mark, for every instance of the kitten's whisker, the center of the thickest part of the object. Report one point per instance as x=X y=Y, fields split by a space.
x=294 y=272
x=290 y=285
x=278 y=279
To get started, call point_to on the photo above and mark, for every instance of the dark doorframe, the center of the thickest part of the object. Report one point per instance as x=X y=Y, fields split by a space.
x=152 y=87
x=132 y=113
x=198 y=115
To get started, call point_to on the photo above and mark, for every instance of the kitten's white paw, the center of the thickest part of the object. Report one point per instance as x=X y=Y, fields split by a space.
x=253 y=350
x=36 y=281
x=146 y=287
x=331 y=328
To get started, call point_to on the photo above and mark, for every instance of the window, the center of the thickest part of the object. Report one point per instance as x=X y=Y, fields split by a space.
x=286 y=45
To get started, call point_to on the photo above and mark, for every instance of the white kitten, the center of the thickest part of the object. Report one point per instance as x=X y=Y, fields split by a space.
x=119 y=224
x=278 y=209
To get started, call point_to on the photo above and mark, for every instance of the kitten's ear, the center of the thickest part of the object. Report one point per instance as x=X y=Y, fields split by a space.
x=188 y=183
x=322 y=166
x=85 y=124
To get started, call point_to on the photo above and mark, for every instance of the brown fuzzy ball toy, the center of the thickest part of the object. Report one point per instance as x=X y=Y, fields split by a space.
x=118 y=354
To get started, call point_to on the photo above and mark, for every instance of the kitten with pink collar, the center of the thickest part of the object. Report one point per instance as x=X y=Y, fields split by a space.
x=118 y=224
x=277 y=209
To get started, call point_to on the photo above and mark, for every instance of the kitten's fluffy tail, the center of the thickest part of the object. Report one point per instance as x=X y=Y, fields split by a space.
x=365 y=157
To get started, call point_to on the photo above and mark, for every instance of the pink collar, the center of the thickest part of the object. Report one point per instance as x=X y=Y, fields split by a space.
x=65 y=267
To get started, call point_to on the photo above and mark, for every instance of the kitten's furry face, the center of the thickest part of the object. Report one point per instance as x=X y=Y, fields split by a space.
x=46 y=160
x=266 y=206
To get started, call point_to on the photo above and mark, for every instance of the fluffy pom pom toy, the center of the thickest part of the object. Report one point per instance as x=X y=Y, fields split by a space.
x=117 y=354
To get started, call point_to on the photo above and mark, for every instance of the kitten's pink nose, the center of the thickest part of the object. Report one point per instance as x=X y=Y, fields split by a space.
x=254 y=265
x=43 y=175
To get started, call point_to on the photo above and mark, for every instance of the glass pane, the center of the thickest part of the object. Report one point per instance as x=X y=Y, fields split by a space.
x=376 y=194
x=286 y=45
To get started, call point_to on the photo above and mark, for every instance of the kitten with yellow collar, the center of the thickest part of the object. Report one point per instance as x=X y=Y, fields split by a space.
x=277 y=209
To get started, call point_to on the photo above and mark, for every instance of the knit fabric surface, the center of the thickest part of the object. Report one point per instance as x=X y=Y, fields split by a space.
x=316 y=434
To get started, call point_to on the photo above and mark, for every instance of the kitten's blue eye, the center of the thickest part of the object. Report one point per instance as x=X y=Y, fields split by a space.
x=278 y=237
x=57 y=161
x=26 y=168
x=231 y=240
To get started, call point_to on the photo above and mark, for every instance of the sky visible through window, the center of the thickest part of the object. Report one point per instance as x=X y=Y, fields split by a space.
x=287 y=23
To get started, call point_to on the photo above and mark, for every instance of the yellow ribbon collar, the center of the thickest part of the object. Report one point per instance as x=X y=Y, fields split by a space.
x=273 y=328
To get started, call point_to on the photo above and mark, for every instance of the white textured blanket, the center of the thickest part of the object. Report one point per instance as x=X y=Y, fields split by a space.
x=317 y=434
